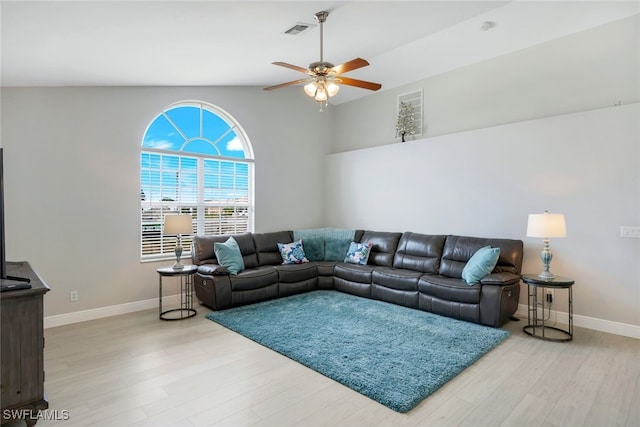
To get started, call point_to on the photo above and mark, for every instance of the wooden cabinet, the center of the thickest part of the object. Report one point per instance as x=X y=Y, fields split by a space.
x=22 y=360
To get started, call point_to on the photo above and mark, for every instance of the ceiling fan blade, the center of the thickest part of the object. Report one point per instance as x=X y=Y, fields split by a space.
x=354 y=64
x=293 y=67
x=295 y=82
x=359 y=83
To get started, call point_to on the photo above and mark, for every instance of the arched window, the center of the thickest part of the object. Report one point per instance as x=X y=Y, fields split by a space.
x=195 y=159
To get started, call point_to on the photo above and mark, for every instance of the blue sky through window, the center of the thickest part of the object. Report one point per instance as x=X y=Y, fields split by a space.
x=195 y=130
x=190 y=131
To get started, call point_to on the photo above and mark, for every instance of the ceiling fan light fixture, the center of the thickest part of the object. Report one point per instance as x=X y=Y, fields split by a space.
x=321 y=94
x=321 y=90
x=311 y=88
x=332 y=89
x=323 y=77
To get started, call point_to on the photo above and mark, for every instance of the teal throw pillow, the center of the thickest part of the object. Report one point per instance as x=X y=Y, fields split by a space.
x=314 y=248
x=229 y=255
x=336 y=249
x=480 y=264
x=358 y=253
x=292 y=253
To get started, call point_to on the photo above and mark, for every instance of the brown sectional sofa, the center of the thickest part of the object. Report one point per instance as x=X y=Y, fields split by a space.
x=415 y=270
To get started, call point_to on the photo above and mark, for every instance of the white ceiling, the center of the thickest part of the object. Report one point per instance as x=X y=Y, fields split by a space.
x=232 y=43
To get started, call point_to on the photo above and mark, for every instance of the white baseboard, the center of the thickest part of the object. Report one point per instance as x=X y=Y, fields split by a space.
x=617 y=328
x=98 y=313
x=602 y=325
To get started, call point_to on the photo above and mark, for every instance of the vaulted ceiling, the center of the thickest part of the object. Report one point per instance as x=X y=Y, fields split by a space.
x=233 y=43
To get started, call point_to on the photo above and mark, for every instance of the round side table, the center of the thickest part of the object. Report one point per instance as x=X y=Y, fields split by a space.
x=536 y=326
x=186 y=309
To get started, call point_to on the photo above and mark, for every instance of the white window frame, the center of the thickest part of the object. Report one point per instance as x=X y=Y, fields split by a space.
x=153 y=211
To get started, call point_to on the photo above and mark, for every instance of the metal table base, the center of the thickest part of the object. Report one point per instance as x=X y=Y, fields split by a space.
x=536 y=325
x=186 y=309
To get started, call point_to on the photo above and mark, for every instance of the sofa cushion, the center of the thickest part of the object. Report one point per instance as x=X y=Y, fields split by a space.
x=229 y=255
x=292 y=253
x=335 y=242
x=459 y=249
x=255 y=278
x=396 y=278
x=354 y=272
x=449 y=289
x=325 y=268
x=292 y=273
x=358 y=253
x=480 y=264
x=353 y=279
x=266 y=245
x=202 y=249
x=419 y=252
x=313 y=248
x=384 y=245
x=336 y=249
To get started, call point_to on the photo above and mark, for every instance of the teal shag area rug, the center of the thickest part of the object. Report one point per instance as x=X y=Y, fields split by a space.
x=394 y=355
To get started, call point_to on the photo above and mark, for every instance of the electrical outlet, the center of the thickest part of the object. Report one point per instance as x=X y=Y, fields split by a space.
x=549 y=296
x=629 y=231
x=73 y=296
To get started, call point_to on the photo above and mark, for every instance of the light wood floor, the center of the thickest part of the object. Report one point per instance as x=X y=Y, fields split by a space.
x=135 y=370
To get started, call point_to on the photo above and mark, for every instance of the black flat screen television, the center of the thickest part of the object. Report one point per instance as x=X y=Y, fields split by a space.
x=6 y=278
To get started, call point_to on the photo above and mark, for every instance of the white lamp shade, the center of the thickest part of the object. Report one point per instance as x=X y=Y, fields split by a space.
x=178 y=224
x=332 y=89
x=321 y=94
x=311 y=88
x=546 y=225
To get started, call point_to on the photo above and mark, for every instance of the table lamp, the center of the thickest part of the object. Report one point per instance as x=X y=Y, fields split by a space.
x=178 y=225
x=546 y=226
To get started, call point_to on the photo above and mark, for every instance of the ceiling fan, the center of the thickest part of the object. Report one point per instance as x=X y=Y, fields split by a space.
x=324 y=77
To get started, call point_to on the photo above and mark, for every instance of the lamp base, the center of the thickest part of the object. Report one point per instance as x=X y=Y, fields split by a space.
x=547 y=275
x=178 y=251
x=546 y=256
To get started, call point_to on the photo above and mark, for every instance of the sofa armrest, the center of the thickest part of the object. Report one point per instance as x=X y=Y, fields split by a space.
x=212 y=269
x=501 y=279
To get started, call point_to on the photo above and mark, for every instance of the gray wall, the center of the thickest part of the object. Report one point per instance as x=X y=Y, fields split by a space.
x=583 y=71
x=517 y=134
x=72 y=179
x=514 y=135
x=485 y=182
